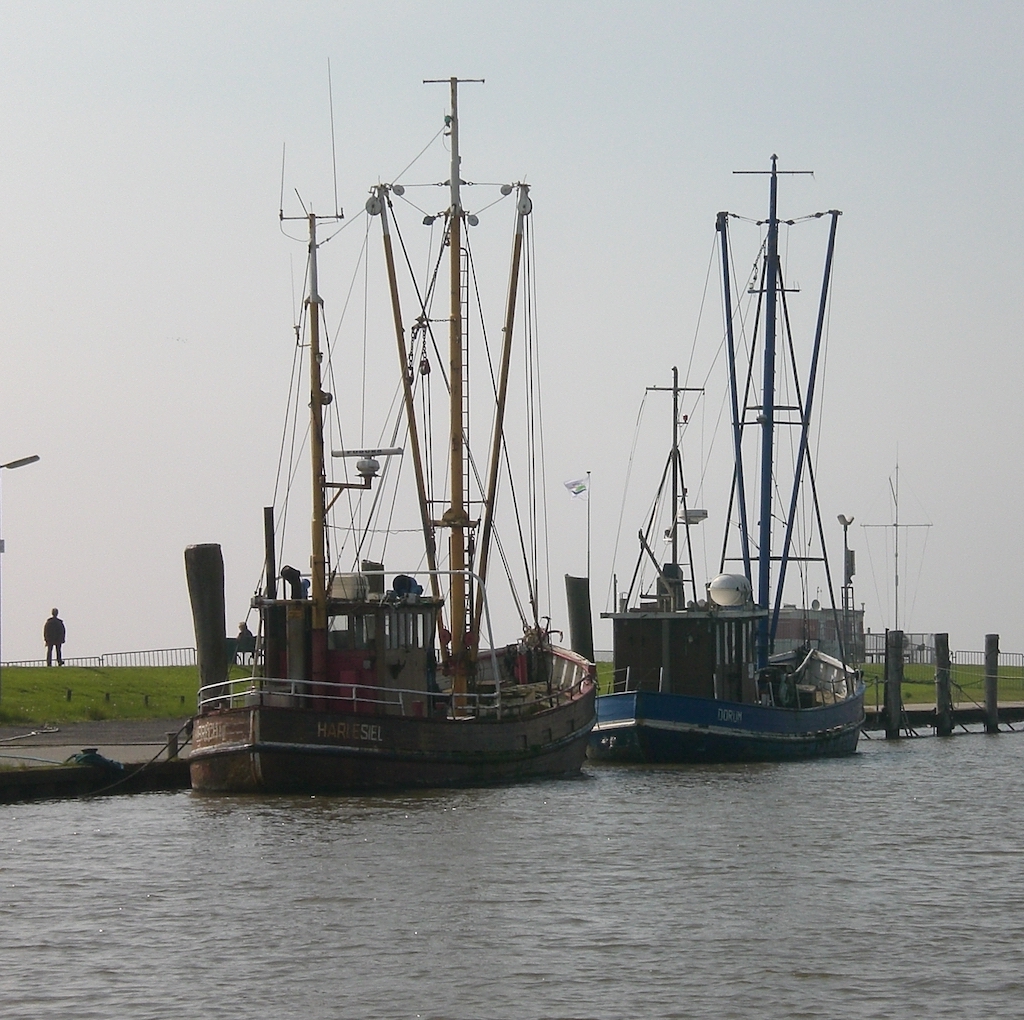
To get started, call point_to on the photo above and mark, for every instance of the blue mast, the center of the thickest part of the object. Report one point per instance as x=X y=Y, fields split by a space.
x=722 y=226
x=805 y=427
x=767 y=421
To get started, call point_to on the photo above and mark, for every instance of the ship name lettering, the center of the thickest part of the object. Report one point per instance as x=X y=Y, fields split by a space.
x=209 y=732
x=370 y=732
x=729 y=715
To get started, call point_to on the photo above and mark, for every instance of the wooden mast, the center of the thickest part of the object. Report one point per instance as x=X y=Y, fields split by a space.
x=318 y=558
x=383 y=198
x=455 y=516
x=524 y=205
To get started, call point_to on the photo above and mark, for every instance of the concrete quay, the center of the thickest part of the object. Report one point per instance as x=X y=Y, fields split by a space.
x=33 y=759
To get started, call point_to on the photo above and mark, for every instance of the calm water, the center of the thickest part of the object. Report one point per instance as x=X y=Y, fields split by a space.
x=884 y=885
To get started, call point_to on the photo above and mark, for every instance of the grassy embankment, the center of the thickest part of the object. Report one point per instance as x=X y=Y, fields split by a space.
x=918 y=683
x=968 y=684
x=40 y=695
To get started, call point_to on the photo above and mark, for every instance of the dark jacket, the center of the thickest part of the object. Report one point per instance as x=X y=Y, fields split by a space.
x=53 y=631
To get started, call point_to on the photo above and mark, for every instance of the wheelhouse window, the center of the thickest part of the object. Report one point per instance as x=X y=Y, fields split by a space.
x=408 y=628
x=349 y=631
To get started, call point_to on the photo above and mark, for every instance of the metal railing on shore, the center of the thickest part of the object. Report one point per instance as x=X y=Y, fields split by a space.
x=148 y=657
x=967 y=682
x=1014 y=660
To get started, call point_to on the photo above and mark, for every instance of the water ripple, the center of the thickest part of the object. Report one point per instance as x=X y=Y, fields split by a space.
x=858 y=888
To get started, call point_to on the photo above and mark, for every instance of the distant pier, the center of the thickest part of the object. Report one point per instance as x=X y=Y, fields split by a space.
x=976 y=684
x=925 y=717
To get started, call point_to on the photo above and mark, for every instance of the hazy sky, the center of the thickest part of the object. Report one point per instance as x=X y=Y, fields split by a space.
x=147 y=292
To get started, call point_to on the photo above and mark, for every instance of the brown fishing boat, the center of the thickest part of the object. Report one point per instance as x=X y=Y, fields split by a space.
x=369 y=678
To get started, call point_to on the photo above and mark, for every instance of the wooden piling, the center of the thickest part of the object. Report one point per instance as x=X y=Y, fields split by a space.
x=172 y=745
x=991 y=683
x=272 y=661
x=204 y=570
x=943 y=694
x=893 y=683
x=581 y=629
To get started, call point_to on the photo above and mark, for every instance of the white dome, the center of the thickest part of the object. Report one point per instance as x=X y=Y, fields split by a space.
x=729 y=590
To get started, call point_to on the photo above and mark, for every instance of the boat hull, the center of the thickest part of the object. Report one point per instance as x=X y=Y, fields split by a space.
x=291 y=750
x=643 y=726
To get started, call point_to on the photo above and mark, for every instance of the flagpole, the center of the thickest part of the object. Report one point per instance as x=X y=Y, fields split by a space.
x=588 y=529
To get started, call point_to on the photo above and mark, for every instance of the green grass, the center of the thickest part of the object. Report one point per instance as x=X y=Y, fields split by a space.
x=39 y=695
x=968 y=684
x=918 y=683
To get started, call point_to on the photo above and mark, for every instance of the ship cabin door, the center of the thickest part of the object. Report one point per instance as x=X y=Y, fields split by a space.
x=409 y=665
x=735 y=646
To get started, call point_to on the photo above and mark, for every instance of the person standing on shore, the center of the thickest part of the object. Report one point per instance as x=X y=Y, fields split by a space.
x=53 y=636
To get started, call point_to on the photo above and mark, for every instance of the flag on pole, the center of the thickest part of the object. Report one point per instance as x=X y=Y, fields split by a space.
x=577 y=487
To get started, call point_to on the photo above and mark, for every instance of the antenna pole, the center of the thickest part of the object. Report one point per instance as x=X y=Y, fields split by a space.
x=675 y=468
x=895 y=490
x=896 y=557
x=334 y=154
x=280 y=211
x=675 y=584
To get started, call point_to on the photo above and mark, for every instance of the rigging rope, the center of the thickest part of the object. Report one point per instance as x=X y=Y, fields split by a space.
x=622 y=504
x=416 y=158
x=531 y=290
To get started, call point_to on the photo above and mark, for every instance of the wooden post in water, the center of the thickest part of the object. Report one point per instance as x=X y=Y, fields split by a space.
x=204 y=571
x=581 y=629
x=991 y=683
x=943 y=695
x=274 y=638
x=893 y=683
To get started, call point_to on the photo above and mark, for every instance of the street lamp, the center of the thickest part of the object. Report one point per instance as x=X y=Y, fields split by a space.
x=848 y=572
x=11 y=464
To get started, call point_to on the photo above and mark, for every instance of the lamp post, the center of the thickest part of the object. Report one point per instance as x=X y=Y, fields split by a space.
x=11 y=464
x=848 y=572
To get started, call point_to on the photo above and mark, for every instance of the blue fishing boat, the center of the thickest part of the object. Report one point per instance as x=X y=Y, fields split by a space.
x=697 y=675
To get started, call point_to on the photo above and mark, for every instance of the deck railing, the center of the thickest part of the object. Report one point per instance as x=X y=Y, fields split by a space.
x=569 y=674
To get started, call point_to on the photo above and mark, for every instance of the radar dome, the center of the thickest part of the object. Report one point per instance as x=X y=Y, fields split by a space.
x=729 y=590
